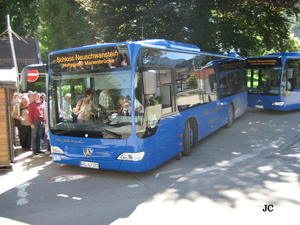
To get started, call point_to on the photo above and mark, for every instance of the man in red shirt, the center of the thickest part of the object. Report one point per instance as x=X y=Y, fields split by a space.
x=36 y=118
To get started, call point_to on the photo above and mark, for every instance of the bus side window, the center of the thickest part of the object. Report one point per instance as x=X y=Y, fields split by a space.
x=165 y=81
x=297 y=81
x=166 y=99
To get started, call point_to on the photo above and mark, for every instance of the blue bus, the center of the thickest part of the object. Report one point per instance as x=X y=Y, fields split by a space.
x=132 y=106
x=273 y=81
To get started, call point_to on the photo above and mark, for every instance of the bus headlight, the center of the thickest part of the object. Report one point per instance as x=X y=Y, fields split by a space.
x=57 y=150
x=278 y=103
x=131 y=156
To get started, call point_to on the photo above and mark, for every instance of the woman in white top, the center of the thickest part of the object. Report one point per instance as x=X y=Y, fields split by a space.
x=84 y=107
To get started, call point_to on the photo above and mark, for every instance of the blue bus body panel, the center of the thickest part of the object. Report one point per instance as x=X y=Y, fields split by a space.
x=241 y=103
x=104 y=151
x=211 y=116
x=291 y=102
x=159 y=148
x=263 y=101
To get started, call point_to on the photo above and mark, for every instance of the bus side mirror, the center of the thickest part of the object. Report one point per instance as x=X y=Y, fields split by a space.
x=149 y=78
x=24 y=73
x=212 y=78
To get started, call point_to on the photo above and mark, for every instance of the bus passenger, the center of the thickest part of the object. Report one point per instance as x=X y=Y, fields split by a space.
x=84 y=107
x=66 y=110
x=139 y=108
x=106 y=100
x=286 y=85
x=126 y=106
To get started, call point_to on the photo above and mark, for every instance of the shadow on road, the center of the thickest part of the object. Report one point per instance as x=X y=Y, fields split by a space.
x=241 y=166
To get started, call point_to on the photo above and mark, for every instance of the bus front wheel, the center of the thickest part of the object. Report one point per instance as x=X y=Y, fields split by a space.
x=188 y=139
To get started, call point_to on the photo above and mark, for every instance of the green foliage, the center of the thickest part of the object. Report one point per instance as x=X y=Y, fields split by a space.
x=191 y=82
x=248 y=26
x=24 y=18
x=117 y=20
x=295 y=25
x=289 y=45
x=220 y=26
x=79 y=89
x=63 y=25
x=155 y=99
x=38 y=85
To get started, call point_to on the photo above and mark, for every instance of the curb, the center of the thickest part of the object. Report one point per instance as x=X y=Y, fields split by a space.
x=290 y=143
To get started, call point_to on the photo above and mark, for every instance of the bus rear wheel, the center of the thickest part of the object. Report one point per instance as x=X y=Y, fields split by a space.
x=188 y=139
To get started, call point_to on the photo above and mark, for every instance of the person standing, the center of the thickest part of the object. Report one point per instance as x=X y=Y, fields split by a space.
x=36 y=118
x=30 y=96
x=44 y=103
x=16 y=106
x=24 y=128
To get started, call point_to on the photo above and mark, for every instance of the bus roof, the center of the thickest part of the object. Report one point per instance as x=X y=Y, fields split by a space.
x=168 y=44
x=224 y=60
x=286 y=54
x=152 y=43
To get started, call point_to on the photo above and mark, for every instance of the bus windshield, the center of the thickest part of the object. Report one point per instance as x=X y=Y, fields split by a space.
x=264 y=81
x=86 y=95
x=264 y=76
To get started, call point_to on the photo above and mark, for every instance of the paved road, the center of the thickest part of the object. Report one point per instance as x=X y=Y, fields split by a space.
x=230 y=177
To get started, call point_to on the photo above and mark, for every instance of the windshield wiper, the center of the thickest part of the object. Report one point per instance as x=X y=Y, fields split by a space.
x=60 y=132
x=76 y=129
x=119 y=136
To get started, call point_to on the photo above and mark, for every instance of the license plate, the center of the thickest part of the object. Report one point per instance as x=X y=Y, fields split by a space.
x=259 y=106
x=93 y=165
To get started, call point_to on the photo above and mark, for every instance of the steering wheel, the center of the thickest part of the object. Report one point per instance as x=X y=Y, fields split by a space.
x=90 y=113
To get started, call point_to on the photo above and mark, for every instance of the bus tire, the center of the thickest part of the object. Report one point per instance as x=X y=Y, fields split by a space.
x=188 y=139
x=230 y=115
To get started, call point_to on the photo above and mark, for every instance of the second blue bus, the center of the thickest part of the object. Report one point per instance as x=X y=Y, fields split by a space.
x=274 y=81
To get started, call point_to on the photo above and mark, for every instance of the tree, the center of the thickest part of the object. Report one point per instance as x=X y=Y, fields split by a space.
x=295 y=26
x=246 y=26
x=218 y=26
x=63 y=25
x=191 y=82
x=117 y=20
x=23 y=16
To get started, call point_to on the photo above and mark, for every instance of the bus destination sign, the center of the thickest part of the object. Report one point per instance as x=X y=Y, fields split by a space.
x=263 y=62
